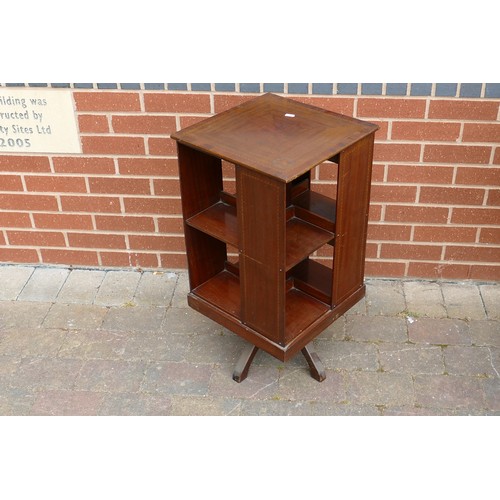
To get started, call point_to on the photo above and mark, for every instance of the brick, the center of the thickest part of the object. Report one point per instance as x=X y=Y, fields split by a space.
x=489 y=176
x=28 y=202
x=93 y=123
x=166 y=187
x=62 y=221
x=438 y=270
x=384 y=269
x=382 y=133
x=411 y=252
x=82 y=165
x=148 y=166
x=396 y=152
x=11 y=183
x=437 y=153
x=107 y=101
x=481 y=132
x=118 y=185
x=188 y=120
x=421 y=174
x=36 y=238
x=24 y=163
x=402 y=213
x=391 y=108
x=173 y=261
x=177 y=103
x=451 y=195
x=165 y=243
x=170 y=225
x=2 y=239
x=375 y=213
x=393 y=193
x=378 y=172
x=57 y=184
x=439 y=331
x=485 y=273
x=124 y=223
x=472 y=253
x=371 y=251
x=475 y=216
x=493 y=198
x=441 y=234
x=143 y=124
x=159 y=146
x=463 y=109
x=389 y=232
x=489 y=235
x=73 y=257
x=129 y=259
x=18 y=255
x=14 y=219
x=93 y=204
x=112 y=145
x=425 y=131
x=67 y=403
x=496 y=158
x=96 y=240
x=341 y=105
x=224 y=102
x=152 y=206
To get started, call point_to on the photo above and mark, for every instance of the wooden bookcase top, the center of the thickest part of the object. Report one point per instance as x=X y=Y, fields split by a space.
x=274 y=135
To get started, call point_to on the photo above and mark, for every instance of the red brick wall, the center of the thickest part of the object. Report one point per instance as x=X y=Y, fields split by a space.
x=435 y=205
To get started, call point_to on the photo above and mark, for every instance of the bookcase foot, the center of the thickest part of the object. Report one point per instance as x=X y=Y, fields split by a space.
x=315 y=364
x=243 y=365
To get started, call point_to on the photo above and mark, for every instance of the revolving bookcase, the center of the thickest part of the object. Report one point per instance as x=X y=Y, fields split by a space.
x=276 y=294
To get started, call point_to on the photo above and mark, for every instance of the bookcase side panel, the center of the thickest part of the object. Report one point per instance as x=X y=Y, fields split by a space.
x=261 y=221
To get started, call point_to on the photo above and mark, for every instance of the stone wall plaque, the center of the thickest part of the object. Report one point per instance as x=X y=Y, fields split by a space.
x=37 y=121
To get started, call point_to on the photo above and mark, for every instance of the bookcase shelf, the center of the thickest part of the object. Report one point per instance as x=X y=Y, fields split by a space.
x=275 y=296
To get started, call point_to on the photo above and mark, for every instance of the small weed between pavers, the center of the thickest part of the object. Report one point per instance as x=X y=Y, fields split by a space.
x=129 y=304
x=406 y=313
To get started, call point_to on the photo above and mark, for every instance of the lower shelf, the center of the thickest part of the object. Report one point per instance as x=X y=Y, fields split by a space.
x=301 y=310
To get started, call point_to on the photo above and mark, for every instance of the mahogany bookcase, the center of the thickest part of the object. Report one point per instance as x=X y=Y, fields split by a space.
x=276 y=295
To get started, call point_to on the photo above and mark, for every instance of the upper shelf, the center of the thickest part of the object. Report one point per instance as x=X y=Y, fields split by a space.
x=295 y=136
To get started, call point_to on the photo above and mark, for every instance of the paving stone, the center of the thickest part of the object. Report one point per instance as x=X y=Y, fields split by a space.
x=44 y=284
x=13 y=280
x=204 y=406
x=179 y=298
x=8 y=365
x=468 y=360
x=81 y=286
x=263 y=358
x=345 y=355
x=297 y=384
x=408 y=358
x=435 y=391
x=373 y=388
x=136 y=404
x=491 y=299
x=155 y=289
x=15 y=401
x=491 y=388
x=67 y=403
x=117 y=288
x=93 y=344
x=156 y=346
x=358 y=308
x=74 y=316
x=415 y=411
x=22 y=314
x=485 y=333
x=133 y=318
x=424 y=299
x=261 y=383
x=385 y=297
x=439 y=331
x=495 y=360
x=336 y=331
x=177 y=378
x=463 y=301
x=304 y=408
x=110 y=375
x=214 y=348
x=376 y=329
x=31 y=342
x=46 y=373
x=186 y=320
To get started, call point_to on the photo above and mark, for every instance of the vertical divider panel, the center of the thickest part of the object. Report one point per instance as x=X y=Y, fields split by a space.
x=261 y=222
x=353 y=197
x=200 y=183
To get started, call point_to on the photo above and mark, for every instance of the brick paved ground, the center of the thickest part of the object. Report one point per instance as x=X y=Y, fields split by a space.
x=95 y=342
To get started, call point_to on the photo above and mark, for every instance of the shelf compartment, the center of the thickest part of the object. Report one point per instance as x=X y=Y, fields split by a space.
x=314 y=279
x=317 y=209
x=219 y=221
x=302 y=239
